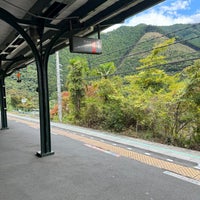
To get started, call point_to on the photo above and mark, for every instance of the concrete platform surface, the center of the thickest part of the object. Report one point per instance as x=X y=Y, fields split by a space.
x=78 y=172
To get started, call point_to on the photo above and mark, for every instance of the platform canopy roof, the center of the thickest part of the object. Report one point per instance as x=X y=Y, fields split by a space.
x=42 y=20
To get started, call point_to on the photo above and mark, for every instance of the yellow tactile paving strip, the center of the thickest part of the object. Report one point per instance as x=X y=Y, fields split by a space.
x=179 y=169
x=176 y=168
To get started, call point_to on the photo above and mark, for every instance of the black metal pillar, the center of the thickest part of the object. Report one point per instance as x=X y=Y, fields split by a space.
x=41 y=63
x=45 y=136
x=45 y=129
x=4 y=124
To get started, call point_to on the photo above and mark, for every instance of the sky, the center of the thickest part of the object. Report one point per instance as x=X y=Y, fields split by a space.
x=166 y=13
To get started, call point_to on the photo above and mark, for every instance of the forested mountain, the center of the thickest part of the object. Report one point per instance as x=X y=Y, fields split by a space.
x=129 y=43
x=124 y=46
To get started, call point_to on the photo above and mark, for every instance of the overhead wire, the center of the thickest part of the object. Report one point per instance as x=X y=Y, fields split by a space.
x=183 y=55
x=132 y=71
x=178 y=56
x=171 y=63
x=95 y=62
x=149 y=40
x=146 y=51
x=177 y=42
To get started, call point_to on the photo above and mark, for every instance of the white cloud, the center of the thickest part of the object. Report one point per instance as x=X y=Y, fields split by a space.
x=158 y=19
x=151 y=18
x=176 y=5
x=163 y=15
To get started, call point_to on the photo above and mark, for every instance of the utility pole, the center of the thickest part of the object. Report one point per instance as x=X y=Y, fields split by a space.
x=58 y=87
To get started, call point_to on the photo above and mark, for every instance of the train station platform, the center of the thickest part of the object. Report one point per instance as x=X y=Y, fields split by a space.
x=163 y=149
x=74 y=172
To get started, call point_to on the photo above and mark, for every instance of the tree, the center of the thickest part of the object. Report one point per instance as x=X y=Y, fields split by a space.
x=191 y=101
x=156 y=56
x=105 y=69
x=152 y=78
x=78 y=69
x=147 y=92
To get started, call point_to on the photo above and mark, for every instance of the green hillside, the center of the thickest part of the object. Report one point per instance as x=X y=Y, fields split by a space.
x=124 y=46
x=177 y=51
x=190 y=33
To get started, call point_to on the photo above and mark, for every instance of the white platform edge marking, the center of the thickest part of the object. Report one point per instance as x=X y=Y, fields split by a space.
x=198 y=166
x=102 y=150
x=170 y=160
x=182 y=178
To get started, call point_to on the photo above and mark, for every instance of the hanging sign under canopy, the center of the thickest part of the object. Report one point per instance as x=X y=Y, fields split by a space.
x=85 y=45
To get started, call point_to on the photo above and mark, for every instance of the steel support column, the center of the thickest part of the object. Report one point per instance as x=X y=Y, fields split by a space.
x=4 y=124
x=45 y=135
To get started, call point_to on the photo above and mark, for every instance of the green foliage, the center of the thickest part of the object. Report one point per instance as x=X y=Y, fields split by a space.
x=156 y=103
x=25 y=89
x=113 y=117
x=77 y=71
x=161 y=106
x=154 y=80
x=106 y=89
x=188 y=31
x=92 y=113
x=156 y=56
x=105 y=69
